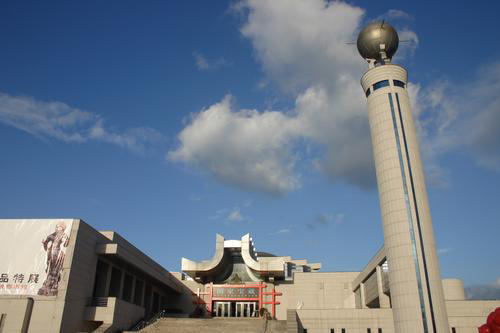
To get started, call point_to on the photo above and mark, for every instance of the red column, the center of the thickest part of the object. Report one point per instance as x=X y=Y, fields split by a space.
x=210 y=296
x=261 y=293
x=273 y=300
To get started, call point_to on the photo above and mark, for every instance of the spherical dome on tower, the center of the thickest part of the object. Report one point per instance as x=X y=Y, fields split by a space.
x=375 y=34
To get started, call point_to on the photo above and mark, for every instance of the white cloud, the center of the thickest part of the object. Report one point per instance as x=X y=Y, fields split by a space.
x=235 y=215
x=444 y=250
x=230 y=215
x=408 y=43
x=240 y=147
x=303 y=43
x=461 y=117
x=282 y=231
x=204 y=64
x=324 y=219
x=302 y=47
x=395 y=14
x=57 y=120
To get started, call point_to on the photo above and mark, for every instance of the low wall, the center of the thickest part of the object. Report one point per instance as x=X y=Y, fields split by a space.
x=353 y=320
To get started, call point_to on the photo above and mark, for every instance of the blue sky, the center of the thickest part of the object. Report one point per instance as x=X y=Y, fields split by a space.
x=171 y=121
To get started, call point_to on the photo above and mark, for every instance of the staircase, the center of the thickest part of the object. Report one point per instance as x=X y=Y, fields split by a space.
x=216 y=325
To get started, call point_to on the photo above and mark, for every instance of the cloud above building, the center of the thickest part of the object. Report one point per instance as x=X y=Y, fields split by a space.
x=57 y=120
x=461 y=117
x=302 y=48
x=205 y=64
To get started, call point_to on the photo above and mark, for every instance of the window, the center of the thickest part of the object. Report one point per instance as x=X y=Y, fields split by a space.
x=368 y=330
x=381 y=84
x=304 y=330
x=332 y=330
x=398 y=83
x=453 y=330
x=368 y=92
x=115 y=283
x=379 y=330
x=343 y=330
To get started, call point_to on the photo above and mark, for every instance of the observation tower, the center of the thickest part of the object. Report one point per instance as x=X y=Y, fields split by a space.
x=415 y=284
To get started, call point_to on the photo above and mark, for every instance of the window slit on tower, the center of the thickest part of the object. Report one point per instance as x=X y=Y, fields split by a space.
x=410 y=219
x=398 y=83
x=417 y=215
x=380 y=84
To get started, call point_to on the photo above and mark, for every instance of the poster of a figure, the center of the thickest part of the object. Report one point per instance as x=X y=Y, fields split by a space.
x=54 y=245
x=33 y=253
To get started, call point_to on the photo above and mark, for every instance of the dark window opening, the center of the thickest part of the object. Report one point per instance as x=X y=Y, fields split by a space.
x=332 y=330
x=368 y=330
x=127 y=288
x=115 y=283
x=368 y=92
x=148 y=293
x=343 y=330
x=156 y=303
x=379 y=330
x=398 y=83
x=139 y=286
x=101 y=275
x=453 y=330
x=381 y=84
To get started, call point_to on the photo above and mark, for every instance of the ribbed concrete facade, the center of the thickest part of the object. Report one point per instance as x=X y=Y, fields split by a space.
x=414 y=278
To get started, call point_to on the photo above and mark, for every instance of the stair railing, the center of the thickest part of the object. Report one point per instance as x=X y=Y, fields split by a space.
x=143 y=323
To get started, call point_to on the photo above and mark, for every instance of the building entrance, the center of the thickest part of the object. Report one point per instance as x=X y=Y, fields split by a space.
x=246 y=309
x=222 y=309
x=235 y=309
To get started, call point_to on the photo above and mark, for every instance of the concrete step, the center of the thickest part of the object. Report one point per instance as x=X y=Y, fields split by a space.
x=216 y=325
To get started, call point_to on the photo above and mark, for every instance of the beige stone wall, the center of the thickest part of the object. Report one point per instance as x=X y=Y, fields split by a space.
x=315 y=291
x=467 y=316
x=81 y=271
x=16 y=311
x=185 y=300
x=453 y=290
x=353 y=320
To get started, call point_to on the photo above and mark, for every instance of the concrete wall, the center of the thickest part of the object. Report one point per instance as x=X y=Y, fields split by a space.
x=185 y=300
x=16 y=314
x=353 y=320
x=467 y=316
x=315 y=291
x=453 y=290
x=81 y=277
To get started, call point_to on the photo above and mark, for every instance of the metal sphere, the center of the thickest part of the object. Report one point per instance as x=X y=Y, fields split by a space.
x=372 y=36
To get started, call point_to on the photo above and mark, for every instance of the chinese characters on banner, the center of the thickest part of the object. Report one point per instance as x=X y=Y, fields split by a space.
x=33 y=253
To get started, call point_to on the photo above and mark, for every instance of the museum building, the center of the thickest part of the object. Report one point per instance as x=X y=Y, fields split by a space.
x=62 y=275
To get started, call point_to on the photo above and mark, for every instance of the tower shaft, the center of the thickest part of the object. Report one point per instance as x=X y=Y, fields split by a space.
x=416 y=291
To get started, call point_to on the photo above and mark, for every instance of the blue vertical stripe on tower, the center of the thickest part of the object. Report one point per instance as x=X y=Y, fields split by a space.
x=410 y=219
x=422 y=248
